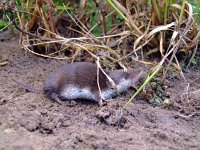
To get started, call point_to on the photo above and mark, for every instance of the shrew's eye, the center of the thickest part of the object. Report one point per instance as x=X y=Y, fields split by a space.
x=126 y=76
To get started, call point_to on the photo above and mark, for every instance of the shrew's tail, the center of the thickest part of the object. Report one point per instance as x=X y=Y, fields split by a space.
x=29 y=88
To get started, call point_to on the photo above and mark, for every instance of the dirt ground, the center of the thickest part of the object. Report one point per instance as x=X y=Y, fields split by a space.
x=30 y=121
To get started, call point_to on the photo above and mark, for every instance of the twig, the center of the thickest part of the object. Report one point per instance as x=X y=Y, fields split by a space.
x=3 y=63
x=188 y=116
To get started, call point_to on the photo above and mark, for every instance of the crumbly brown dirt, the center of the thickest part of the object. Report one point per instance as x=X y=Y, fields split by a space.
x=30 y=121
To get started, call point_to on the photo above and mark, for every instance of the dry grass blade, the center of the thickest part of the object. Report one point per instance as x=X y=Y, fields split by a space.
x=128 y=17
x=160 y=28
x=156 y=10
x=181 y=39
x=149 y=36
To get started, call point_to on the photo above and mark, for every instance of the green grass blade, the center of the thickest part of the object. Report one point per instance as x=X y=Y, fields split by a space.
x=143 y=85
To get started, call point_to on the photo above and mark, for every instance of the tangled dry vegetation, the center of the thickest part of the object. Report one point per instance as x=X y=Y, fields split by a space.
x=114 y=33
x=142 y=31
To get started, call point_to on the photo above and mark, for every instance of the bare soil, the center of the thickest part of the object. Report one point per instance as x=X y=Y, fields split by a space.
x=30 y=121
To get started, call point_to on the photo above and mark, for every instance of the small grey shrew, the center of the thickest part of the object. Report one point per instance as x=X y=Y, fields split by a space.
x=79 y=81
